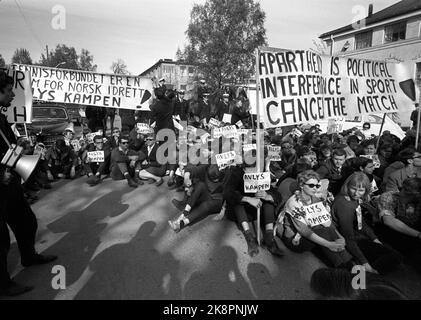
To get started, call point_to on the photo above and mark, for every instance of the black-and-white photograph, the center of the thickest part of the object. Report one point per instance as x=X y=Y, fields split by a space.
x=222 y=152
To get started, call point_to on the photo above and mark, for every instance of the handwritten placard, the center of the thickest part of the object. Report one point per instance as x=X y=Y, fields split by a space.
x=213 y=123
x=96 y=156
x=225 y=159
x=274 y=153
x=143 y=128
x=317 y=214
x=248 y=147
x=227 y=118
x=254 y=182
x=227 y=132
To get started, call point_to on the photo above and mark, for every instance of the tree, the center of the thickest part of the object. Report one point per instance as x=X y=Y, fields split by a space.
x=86 y=61
x=222 y=38
x=119 y=67
x=22 y=56
x=61 y=54
x=2 y=62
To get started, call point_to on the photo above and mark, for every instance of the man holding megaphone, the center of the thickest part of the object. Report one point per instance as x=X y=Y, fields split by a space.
x=14 y=209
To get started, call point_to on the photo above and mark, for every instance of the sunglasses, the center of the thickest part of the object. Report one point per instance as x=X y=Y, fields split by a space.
x=312 y=185
x=124 y=142
x=150 y=139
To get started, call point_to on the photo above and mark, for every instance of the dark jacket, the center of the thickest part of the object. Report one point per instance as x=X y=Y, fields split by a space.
x=101 y=167
x=161 y=112
x=329 y=171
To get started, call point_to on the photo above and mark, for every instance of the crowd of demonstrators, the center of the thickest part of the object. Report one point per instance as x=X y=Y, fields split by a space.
x=348 y=197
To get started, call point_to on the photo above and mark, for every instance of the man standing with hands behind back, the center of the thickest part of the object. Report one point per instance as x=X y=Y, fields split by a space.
x=14 y=208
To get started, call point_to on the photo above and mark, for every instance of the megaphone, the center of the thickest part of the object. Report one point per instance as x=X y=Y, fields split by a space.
x=23 y=165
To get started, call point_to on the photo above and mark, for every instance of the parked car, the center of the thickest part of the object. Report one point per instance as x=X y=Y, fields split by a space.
x=49 y=122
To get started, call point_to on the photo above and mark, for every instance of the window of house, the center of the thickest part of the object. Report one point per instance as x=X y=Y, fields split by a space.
x=363 y=40
x=395 y=32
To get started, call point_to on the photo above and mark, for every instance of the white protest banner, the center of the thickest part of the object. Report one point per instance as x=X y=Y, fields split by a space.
x=254 y=182
x=143 y=128
x=96 y=156
x=213 y=123
x=274 y=153
x=20 y=110
x=317 y=214
x=89 y=88
x=248 y=147
x=225 y=159
x=300 y=86
x=374 y=157
x=227 y=118
x=227 y=132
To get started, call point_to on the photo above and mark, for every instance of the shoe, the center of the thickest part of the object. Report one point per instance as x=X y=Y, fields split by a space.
x=150 y=181
x=138 y=181
x=175 y=225
x=14 y=289
x=179 y=204
x=159 y=182
x=38 y=259
x=253 y=248
x=132 y=183
x=171 y=182
x=273 y=248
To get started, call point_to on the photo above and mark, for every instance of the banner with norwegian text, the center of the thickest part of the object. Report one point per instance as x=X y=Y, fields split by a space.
x=89 y=88
x=299 y=86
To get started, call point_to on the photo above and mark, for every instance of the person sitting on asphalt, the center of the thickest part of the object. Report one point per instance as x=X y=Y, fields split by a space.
x=241 y=207
x=96 y=170
x=360 y=239
x=137 y=139
x=206 y=196
x=400 y=216
x=62 y=161
x=331 y=170
x=113 y=141
x=124 y=163
x=68 y=135
x=301 y=233
x=152 y=170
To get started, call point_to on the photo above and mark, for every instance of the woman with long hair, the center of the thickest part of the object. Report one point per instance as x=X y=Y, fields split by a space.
x=306 y=223
x=360 y=239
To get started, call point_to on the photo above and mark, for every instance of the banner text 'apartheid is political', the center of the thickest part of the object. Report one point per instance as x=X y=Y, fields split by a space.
x=88 y=88
x=301 y=86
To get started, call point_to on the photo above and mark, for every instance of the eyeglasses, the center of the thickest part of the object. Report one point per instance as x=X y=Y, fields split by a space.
x=149 y=139
x=312 y=185
x=124 y=142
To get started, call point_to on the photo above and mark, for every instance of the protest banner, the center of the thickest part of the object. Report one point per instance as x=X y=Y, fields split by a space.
x=274 y=153
x=225 y=159
x=89 y=88
x=227 y=132
x=317 y=214
x=248 y=147
x=96 y=156
x=213 y=123
x=143 y=128
x=20 y=110
x=227 y=118
x=254 y=182
x=374 y=157
x=299 y=86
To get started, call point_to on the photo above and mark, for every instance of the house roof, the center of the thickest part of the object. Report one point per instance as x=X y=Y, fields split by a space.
x=398 y=9
x=167 y=61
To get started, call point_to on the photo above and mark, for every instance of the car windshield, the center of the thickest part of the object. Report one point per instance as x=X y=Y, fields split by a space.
x=52 y=113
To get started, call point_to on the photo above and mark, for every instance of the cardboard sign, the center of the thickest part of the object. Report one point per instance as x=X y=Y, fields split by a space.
x=254 y=182
x=227 y=132
x=143 y=128
x=213 y=123
x=374 y=157
x=239 y=124
x=227 y=118
x=248 y=147
x=299 y=86
x=225 y=159
x=96 y=156
x=317 y=214
x=244 y=131
x=20 y=110
x=274 y=153
x=89 y=88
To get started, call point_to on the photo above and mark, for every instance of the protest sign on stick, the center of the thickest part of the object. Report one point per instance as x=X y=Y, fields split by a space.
x=274 y=153
x=96 y=156
x=254 y=182
x=225 y=159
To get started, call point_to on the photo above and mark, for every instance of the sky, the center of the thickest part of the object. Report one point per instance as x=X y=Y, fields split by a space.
x=143 y=31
